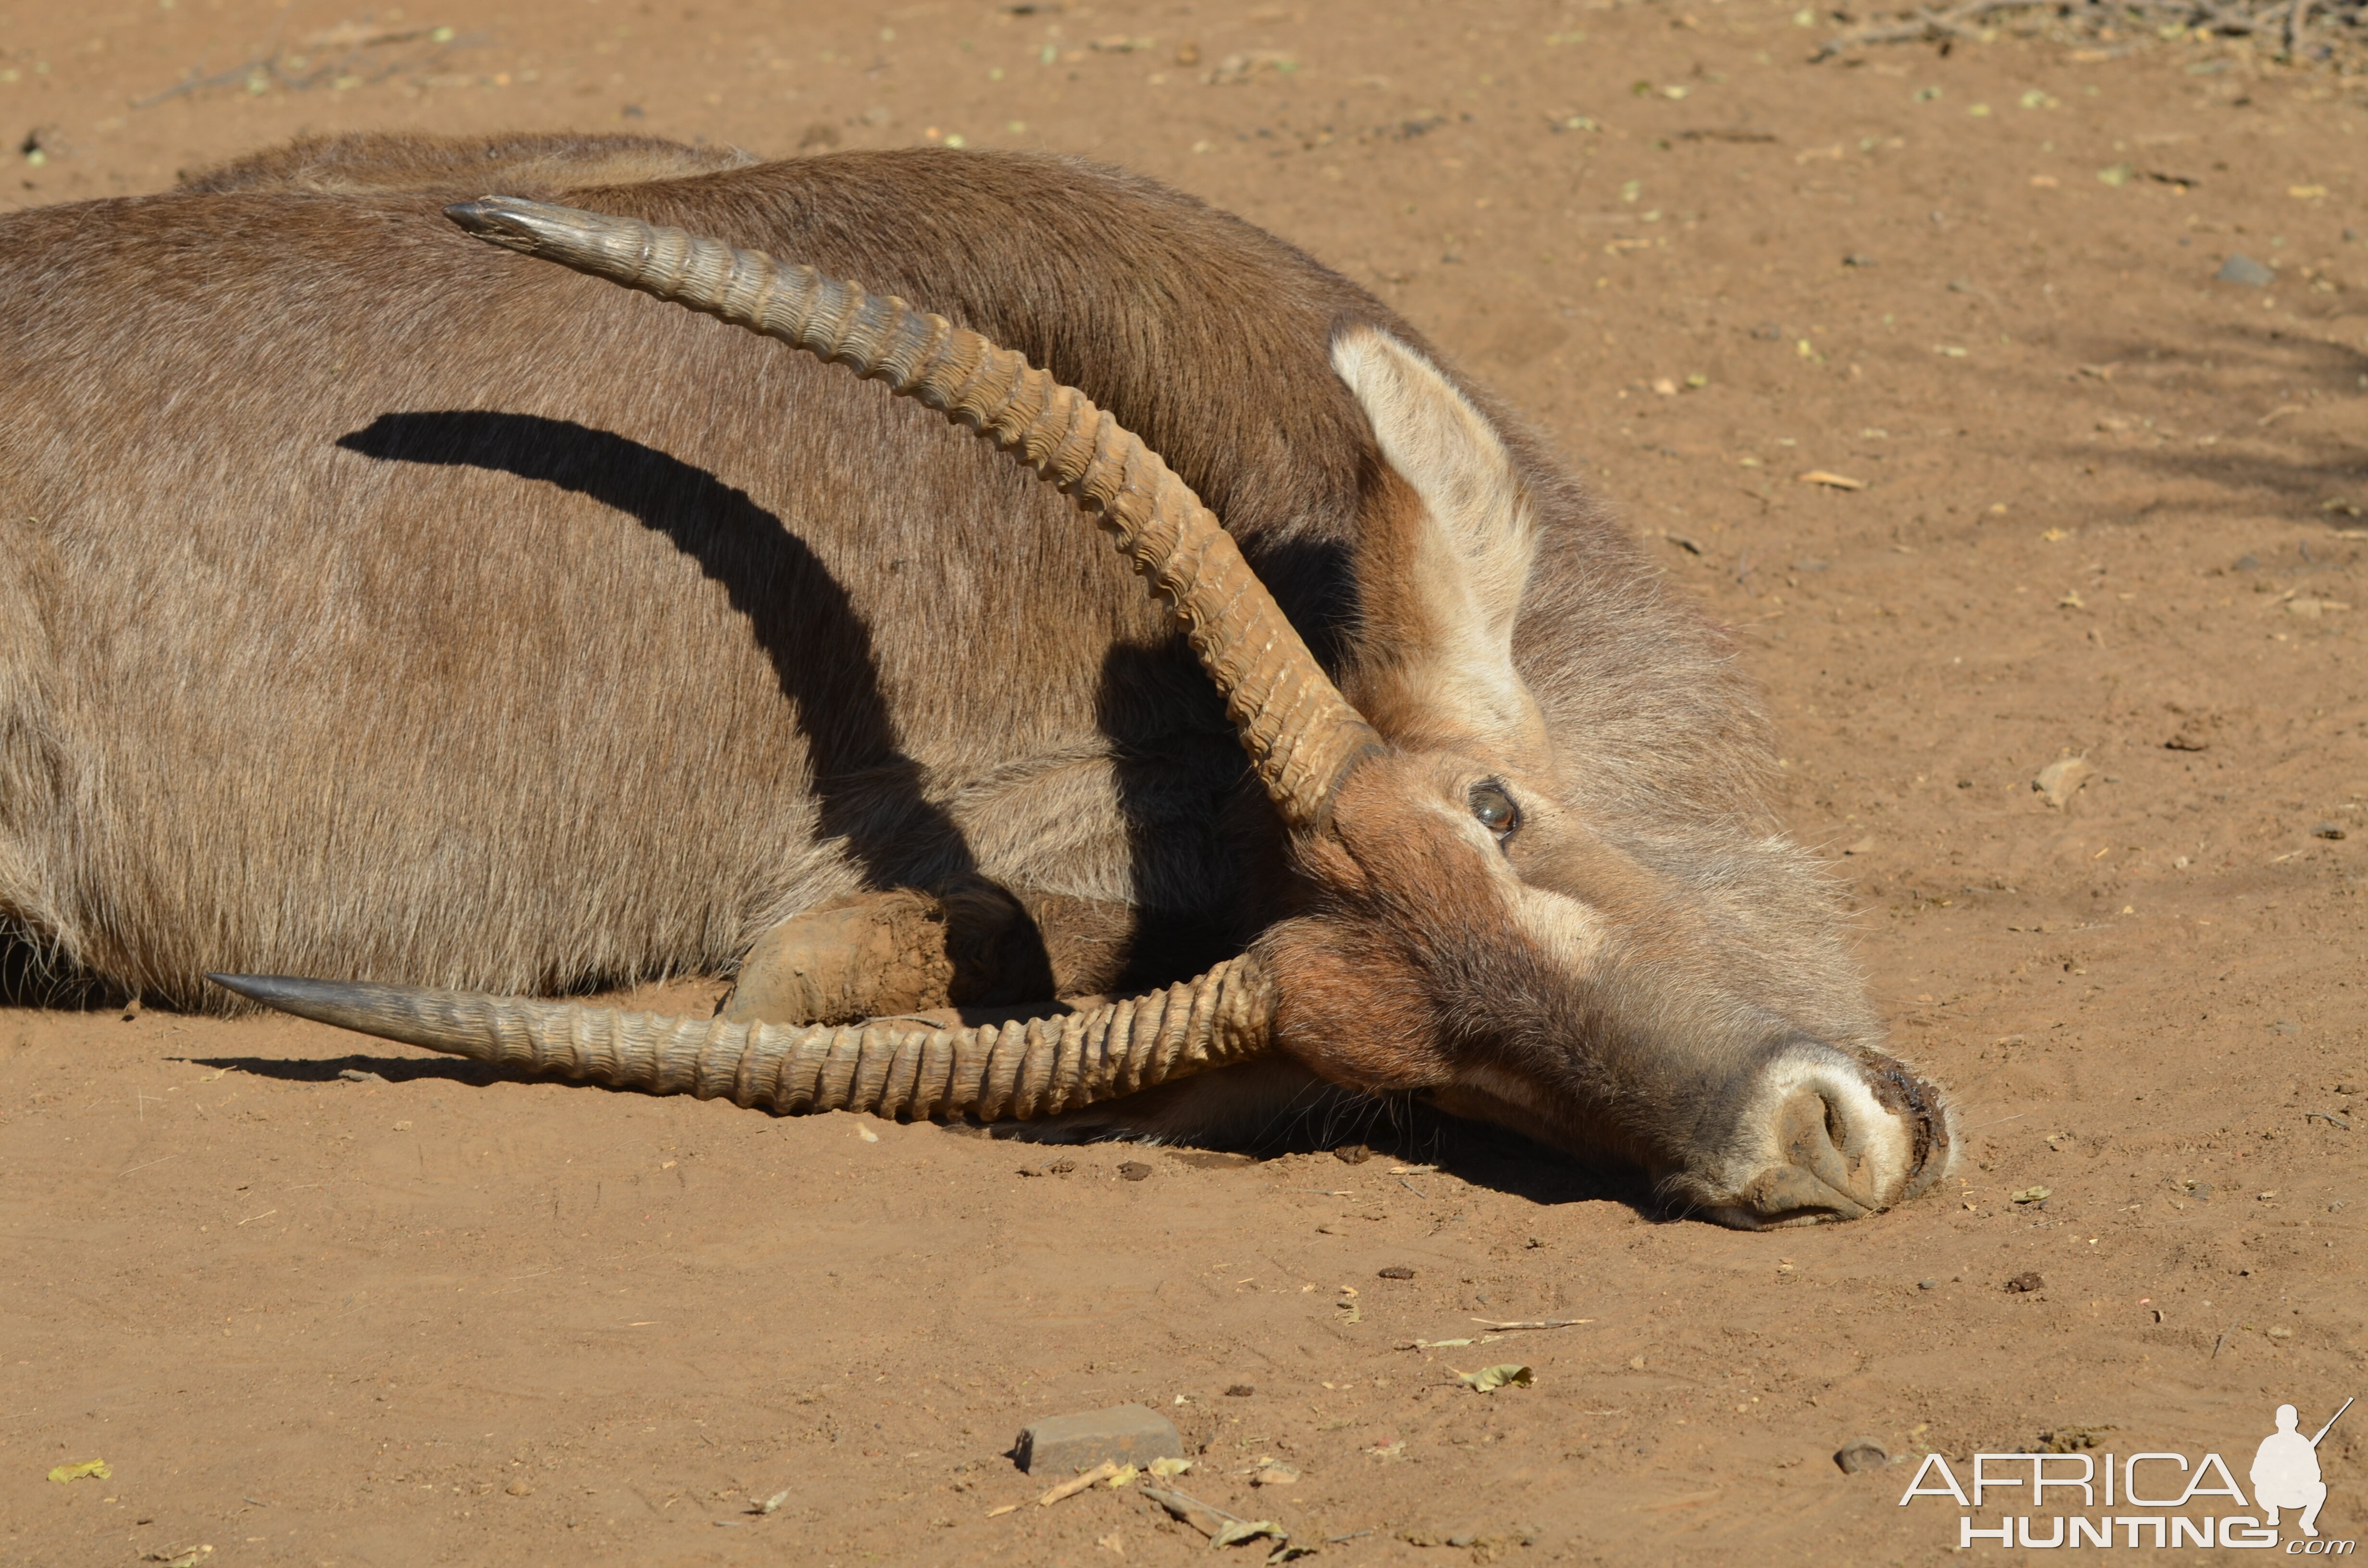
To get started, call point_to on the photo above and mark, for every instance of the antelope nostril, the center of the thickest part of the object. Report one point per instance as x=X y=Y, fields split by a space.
x=1813 y=1132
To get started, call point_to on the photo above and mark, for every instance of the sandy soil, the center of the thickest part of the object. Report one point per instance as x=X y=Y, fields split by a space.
x=2111 y=507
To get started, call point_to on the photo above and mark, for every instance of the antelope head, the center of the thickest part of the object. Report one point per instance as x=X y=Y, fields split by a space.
x=1456 y=928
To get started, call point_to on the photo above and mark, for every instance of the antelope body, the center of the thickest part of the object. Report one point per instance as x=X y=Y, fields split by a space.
x=380 y=605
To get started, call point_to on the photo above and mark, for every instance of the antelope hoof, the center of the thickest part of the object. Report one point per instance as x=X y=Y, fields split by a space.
x=902 y=952
x=1826 y=1136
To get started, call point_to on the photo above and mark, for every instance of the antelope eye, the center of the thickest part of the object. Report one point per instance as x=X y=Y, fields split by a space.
x=1495 y=809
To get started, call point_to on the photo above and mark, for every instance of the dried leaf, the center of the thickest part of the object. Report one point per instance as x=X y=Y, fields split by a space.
x=1240 y=1530
x=1168 y=1468
x=1488 y=1380
x=1837 y=481
x=87 y=1471
x=2034 y=1194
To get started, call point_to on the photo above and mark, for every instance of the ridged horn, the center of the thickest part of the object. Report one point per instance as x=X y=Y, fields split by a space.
x=1302 y=734
x=1013 y=1072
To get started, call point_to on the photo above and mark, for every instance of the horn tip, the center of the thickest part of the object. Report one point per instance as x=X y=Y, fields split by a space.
x=503 y=221
x=326 y=1000
x=258 y=987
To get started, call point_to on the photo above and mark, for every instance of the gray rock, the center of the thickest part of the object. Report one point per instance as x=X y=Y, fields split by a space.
x=2242 y=268
x=1860 y=1453
x=1126 y=1434
x=2061 y=780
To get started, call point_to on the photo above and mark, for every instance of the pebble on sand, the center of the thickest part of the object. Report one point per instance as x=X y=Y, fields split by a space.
x=1125 y=1434
x=2242 y=268
x=2061 y=780
x=1860 y=1453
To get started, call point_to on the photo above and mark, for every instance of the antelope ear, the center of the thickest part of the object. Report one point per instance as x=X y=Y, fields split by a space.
x=1447 y=540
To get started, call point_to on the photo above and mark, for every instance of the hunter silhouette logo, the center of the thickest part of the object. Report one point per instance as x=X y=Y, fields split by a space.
x=2285 y=1471
x=2151 y=1499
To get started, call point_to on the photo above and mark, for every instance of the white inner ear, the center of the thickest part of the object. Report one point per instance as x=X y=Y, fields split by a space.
x=1472 y=558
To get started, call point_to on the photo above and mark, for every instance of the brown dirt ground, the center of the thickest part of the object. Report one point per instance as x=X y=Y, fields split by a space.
x=2109 y=504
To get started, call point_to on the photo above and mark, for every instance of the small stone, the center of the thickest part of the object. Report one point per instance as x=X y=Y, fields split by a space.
x=1398 y=1271
x=1125 y=1434
x=1860 y=1453
x=1352 y=1154
x=2025 y=1282
x=2061 y=780
x=519 y=1488
x=1928 y=1284
x=2326 y=830
x=1856 y=259
x=1273 y=1472
x=1132 y=1170
x=2242 y=268
x=1240 y=1390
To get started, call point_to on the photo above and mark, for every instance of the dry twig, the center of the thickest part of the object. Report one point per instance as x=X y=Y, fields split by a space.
x=1535 y=1322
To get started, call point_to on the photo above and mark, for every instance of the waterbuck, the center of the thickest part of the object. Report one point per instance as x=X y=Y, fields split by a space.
x=380 y=604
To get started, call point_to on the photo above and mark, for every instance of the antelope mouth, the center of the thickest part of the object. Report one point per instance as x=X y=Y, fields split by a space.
x=1825 y=1136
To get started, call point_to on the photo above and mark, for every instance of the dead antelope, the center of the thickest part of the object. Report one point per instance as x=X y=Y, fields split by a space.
x=395 y=607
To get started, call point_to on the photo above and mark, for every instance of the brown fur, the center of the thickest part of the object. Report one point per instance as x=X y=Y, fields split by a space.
x=374 y=604
x=424 y=628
